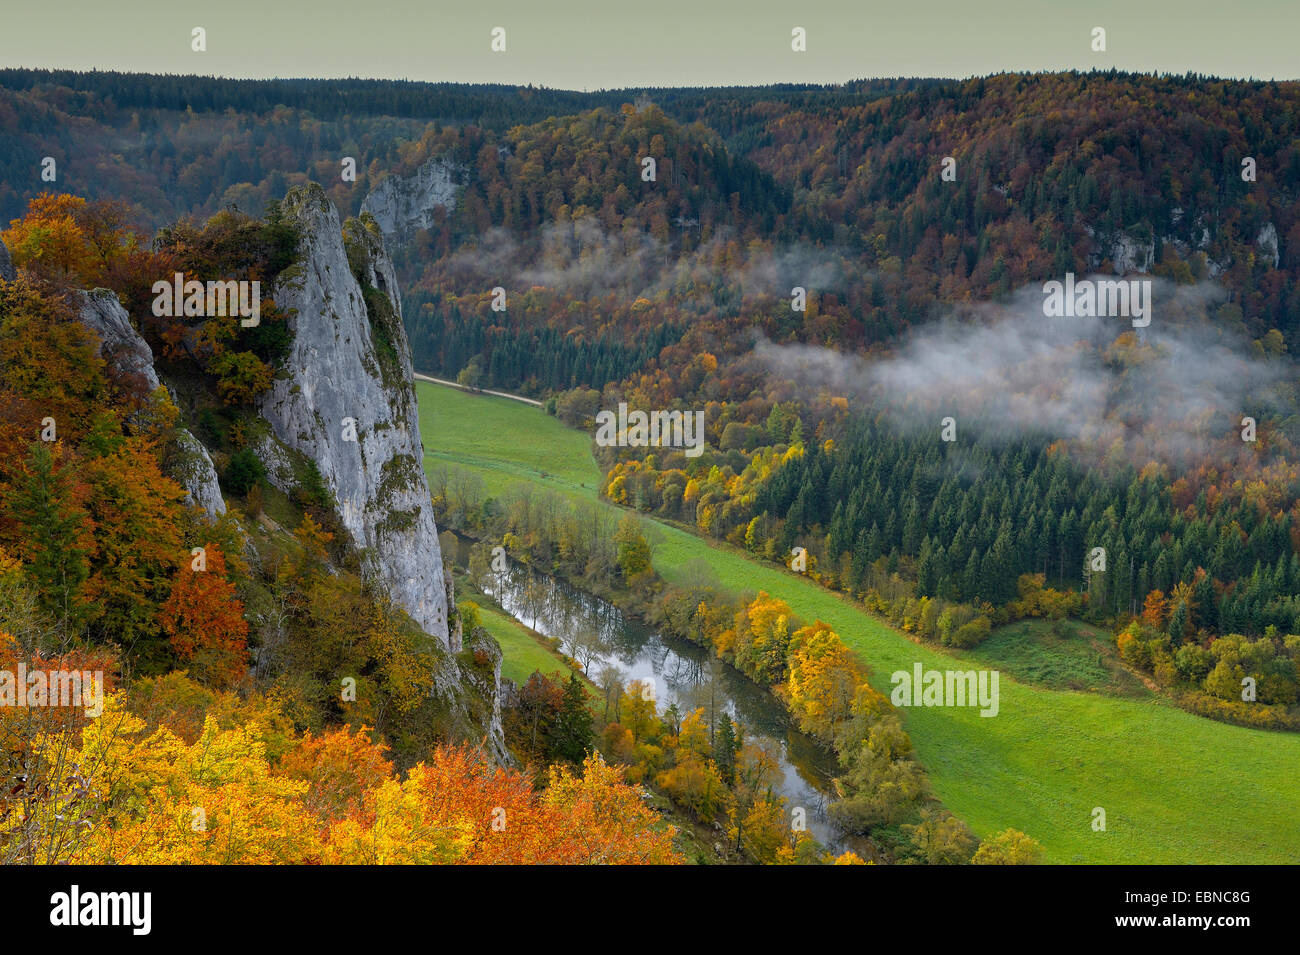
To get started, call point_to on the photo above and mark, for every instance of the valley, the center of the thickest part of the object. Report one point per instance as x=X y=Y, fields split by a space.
x=1042 y=765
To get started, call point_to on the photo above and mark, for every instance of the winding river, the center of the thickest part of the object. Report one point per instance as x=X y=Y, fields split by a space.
x=685 y=674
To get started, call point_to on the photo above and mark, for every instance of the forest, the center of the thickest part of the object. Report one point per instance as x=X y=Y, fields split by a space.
x=219 y=643
x=784 y=271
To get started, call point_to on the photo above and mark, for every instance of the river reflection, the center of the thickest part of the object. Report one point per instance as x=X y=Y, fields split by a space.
x=685 y=674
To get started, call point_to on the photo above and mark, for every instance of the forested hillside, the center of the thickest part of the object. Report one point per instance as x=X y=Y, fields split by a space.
x=674 y=290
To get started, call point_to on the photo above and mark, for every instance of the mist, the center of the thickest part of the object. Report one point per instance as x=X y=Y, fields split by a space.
x=1174 y=392
x=582 y=258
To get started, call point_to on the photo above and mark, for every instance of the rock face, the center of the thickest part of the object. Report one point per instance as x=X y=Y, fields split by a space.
x=401 y=205
x=6 y=267
x=1130 y=255
x=347 y=403
x=1267 y=242
x=130 y=356
x=1126 y=253
x=197 y=475
x=119 y=343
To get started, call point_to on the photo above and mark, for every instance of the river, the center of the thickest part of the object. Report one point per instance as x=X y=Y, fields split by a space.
x=685 y=674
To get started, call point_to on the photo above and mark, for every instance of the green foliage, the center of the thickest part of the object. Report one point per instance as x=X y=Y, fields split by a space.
x=55 y=543
x=573 y=734
x=311 y=490
x=244 y=470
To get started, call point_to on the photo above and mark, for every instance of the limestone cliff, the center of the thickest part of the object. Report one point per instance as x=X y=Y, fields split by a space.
x=120 y=345
x=6 y=267
x=346 y=401
x=1128 y=253
x=130 y=357
x=402 y=204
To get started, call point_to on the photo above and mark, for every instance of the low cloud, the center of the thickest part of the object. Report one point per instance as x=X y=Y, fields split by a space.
x=1172 y=392
x=583 y=259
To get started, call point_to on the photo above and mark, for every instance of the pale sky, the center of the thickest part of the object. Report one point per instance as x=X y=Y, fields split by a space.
x=589 y=44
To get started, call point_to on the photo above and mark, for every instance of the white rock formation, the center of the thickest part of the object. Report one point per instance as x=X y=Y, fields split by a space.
x=1267 y=242
x=197 y=475
x=346 y=400
x=1129 y=255
x=402 y=205
x=120 y=344
x=129 y=354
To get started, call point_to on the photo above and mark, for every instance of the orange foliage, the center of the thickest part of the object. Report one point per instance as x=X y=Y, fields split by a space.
x=340 y=767
x=205 y=620
x=458 y=808
x=1155 y=610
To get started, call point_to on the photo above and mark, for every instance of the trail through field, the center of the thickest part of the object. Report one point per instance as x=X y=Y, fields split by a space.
x=480 y=391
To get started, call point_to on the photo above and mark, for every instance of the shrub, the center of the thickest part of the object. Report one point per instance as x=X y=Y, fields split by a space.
x=244 y=470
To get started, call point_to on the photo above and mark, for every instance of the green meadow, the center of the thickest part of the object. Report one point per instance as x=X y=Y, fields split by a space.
x=522 y=653
x=1074 y=732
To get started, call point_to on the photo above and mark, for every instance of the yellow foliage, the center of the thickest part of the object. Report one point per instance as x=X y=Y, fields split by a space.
x=823 y=680
x=213 y=802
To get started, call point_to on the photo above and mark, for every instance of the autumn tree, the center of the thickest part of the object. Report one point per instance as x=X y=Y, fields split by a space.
x=633 y=549
x=341 y=767
x=204 y=620
x=823 y=680
x=940 y=838
x=1154 y=610
x=1009 y=847
x=48 y=238
x=139 y=517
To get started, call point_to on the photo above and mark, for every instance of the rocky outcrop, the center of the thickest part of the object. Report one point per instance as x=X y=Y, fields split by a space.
x=1129 y=255
x=485 y=678
x=193 y=468
x=6 y=267
x=120 y=344
x=130 y=358
x=1267 y=242
x=346 y=402
x=1126 y=253
x=403 y=204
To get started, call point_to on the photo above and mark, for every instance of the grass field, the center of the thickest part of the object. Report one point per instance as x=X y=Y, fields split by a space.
x=523 y=654
x=1175 y=787
x=504 y=441
x=1067 y=655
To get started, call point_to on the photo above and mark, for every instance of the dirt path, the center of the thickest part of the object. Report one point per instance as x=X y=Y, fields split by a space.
x=484 y=391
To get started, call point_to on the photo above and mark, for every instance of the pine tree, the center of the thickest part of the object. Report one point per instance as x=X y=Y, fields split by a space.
x=726 y=744
x=54 y=546
x=573 y=724
x=1178 y=624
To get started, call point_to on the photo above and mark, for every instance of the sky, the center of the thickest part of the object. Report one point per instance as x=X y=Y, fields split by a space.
x=593 y=44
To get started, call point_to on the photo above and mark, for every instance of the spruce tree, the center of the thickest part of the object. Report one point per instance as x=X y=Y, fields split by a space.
x=726 y=744
x=573 y=723
x=54 y=543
